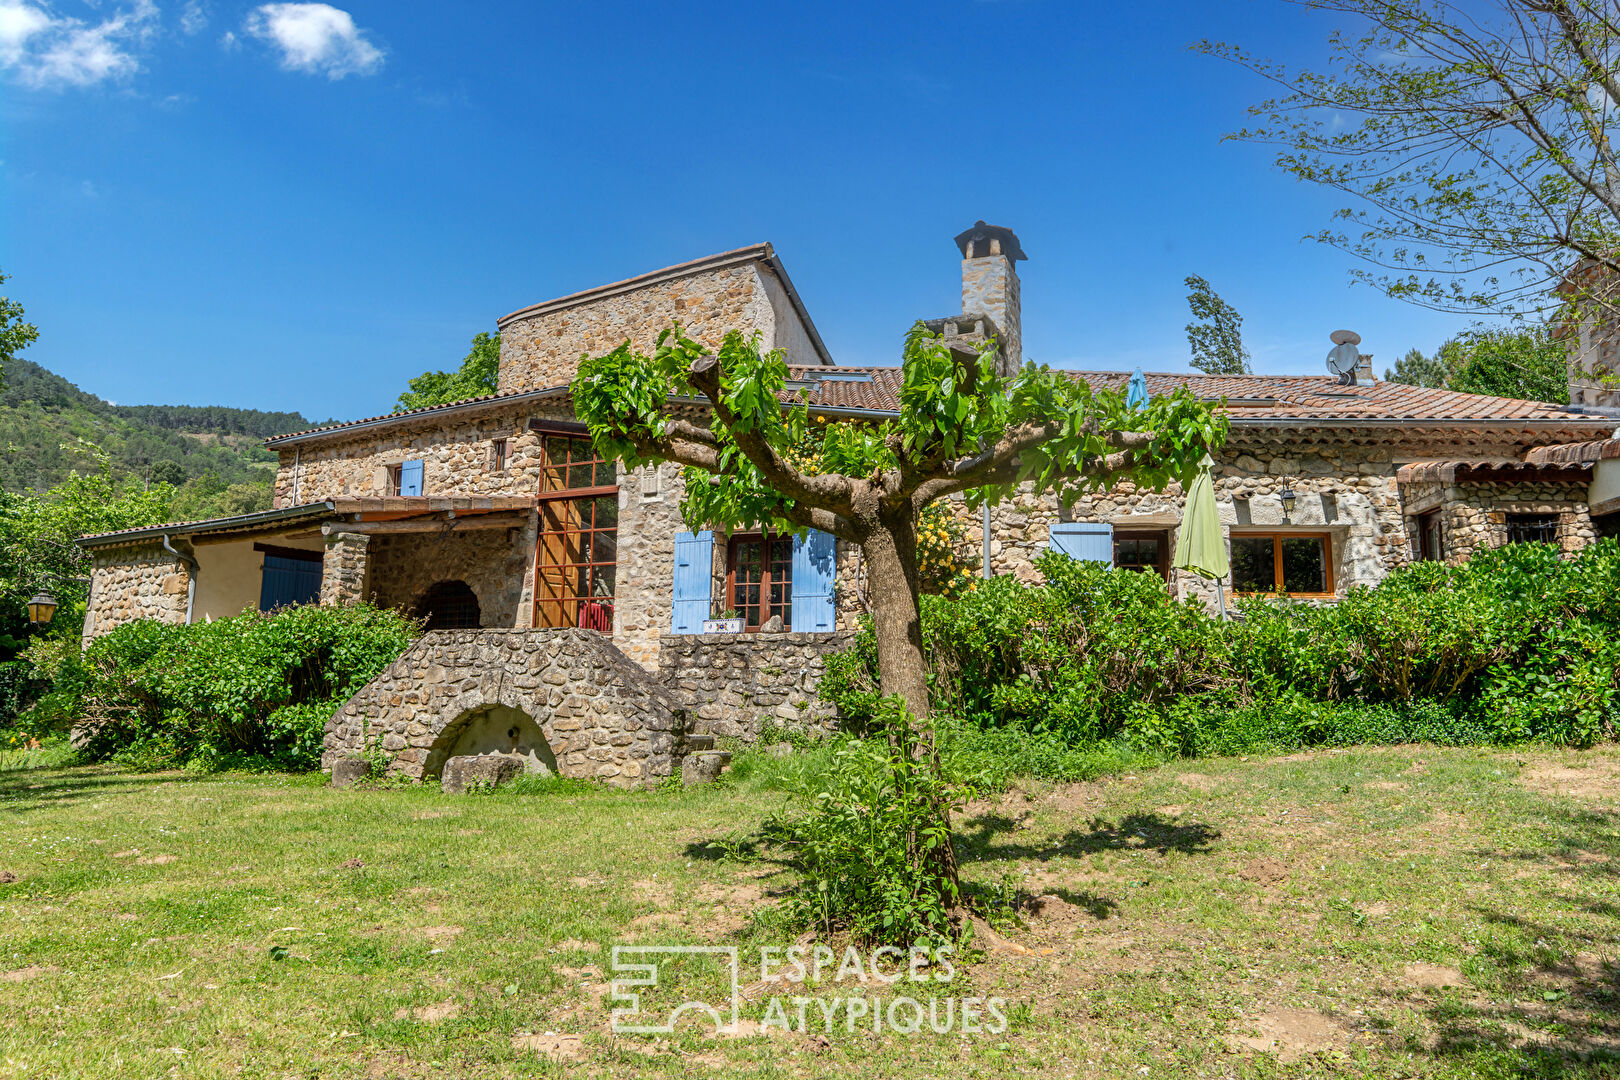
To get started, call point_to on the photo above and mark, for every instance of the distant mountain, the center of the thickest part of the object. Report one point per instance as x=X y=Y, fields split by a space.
x=40 y=412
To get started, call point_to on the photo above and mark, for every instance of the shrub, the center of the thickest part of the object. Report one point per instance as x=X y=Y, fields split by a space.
x=873 y=850
x=252 y=691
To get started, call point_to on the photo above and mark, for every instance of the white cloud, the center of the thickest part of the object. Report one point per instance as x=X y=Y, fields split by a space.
x=317 y=38
x=228 y=42
x=194 y=17
x=45 y=49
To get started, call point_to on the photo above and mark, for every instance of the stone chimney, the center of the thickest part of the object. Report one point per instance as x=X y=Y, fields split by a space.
x=990 y=285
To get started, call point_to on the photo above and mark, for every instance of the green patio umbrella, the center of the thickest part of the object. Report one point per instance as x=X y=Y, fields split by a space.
x=1200 y=547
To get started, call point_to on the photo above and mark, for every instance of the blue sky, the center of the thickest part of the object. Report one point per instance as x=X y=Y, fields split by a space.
x=296 y=206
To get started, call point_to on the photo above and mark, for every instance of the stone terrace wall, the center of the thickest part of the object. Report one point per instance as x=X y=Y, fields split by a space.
x=126 y=584
x=734 y=684
x=602 y=715
x=543 y=349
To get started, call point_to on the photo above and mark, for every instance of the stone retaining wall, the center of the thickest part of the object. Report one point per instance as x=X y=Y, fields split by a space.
x=735 y=684
x=601 y=715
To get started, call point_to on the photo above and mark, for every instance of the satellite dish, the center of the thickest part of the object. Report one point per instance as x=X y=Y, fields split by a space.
x=1345 y=337
x=1342 y=360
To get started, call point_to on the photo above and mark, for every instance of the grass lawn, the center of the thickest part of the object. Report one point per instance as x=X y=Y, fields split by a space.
x=1386 y=912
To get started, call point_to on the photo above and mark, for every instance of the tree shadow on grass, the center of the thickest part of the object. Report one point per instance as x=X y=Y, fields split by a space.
x=978 y=838
x=24 y=790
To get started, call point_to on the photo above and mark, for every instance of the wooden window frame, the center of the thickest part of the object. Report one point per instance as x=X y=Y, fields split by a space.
x=497 y=455
x=1277 y=538
x=1162 y=566
x=396 y=477
x=765 y=537
x=1424 y=521
x=603 y=607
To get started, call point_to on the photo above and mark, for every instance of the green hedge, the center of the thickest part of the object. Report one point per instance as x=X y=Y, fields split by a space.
x=1519 y=643
x=252 y=691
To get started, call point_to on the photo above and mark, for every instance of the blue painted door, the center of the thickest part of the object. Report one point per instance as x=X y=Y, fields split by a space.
x=694 y=564
x=410 y=477
x=1088 y=541
x=289 y=581
x=815 y=569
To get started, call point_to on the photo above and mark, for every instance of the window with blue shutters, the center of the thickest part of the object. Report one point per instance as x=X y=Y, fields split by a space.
x=410 y=477
x=1087 y=541
x=694 y=566
x=815 y=569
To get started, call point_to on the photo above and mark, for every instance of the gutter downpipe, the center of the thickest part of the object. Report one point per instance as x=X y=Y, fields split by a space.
x=985 y=530
x=191 y=578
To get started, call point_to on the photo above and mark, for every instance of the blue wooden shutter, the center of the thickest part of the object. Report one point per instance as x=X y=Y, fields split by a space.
x=410 y=477
x=289 y=581
x=694 y=563
x=1088 y=541
x=815 y=567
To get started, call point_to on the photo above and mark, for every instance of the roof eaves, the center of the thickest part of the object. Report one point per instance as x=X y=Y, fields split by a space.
x=191 y=528
x=432 y=411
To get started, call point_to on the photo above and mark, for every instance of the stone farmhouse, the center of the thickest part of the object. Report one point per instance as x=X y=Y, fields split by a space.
x=493 y=517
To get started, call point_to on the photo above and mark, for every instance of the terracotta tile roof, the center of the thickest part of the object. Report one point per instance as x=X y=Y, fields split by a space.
x=387 y=505
x=1573 y=453
x=1491 y=470
x=1284 y=399
x=1250 y=397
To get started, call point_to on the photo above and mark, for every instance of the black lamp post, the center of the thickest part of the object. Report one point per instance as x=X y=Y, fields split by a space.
x=41 y=608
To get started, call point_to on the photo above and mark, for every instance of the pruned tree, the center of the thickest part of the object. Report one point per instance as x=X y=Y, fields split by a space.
x=1216 y=332
x=1473 y=144
x=474 y=378
x=756 y=459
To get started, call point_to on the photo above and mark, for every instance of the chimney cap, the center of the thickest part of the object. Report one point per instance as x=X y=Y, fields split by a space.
x=980 y=231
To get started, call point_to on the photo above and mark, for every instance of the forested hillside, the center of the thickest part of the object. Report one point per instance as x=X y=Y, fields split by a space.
x=44 y=420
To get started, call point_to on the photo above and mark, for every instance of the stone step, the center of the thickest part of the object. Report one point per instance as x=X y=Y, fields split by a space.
x=699 y=742
x=704 y=767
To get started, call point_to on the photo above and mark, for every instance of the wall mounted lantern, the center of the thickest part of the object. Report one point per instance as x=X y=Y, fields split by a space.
x=41 y=608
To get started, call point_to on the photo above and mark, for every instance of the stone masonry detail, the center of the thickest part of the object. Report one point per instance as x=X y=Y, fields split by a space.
x=735 y=684
x=604 y=717
x=343 y=568
x=135 y=583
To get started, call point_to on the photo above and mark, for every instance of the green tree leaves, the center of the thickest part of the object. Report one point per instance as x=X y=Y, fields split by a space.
x=15 y=335
x=1216 y=332
x=1530 y=364
x=474 y=378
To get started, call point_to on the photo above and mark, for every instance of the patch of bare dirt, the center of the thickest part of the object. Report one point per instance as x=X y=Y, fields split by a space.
x=653 y=892
x=555 y=1047
x=1599 y=779
x=575 y=945
x=1384 y=785
x=126 y=854
x=448 y=1009
x=1054 y=910
x=441 y=935
x=1197 y=781
x=350 y=864
x=1422 y=976
x=8 y=877
x=158 y=860
x=1264 y=871
x=429 y=815
x=1291 y=1034
x=32 y=971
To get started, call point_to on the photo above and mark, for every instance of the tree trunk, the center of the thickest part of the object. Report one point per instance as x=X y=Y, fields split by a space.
x=892 y=580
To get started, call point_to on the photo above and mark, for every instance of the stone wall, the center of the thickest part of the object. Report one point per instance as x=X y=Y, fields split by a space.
x=541 y=346
x=734 y=684
x=602 y=716
x=455 y=454
x=344 y=567
x=494 y=563
x=144 y=582
x=1475 y=515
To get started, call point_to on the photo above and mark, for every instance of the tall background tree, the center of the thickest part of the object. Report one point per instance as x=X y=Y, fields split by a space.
x=15 y=335
x=1473 y=145
x=961 y=429
x=474 y=378
x=1502 y=362
x=1216 y=332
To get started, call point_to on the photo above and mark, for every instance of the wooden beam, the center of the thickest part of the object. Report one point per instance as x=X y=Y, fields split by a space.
x=432 y=525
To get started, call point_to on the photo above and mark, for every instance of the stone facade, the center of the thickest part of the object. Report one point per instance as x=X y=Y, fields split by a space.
x=601 y=716
x=735 y=684
x=990 y=287
x=344 y=567
x=1475 y=516
x=126 y=584
x=541 y=345
x=496 y=564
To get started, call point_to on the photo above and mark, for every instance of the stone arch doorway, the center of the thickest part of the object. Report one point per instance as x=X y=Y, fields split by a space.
x=449 y=605
x=493 y=729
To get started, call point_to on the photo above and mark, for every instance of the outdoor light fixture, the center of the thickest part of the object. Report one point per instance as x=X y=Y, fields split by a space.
x=1287 y=496
x=41 y=608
